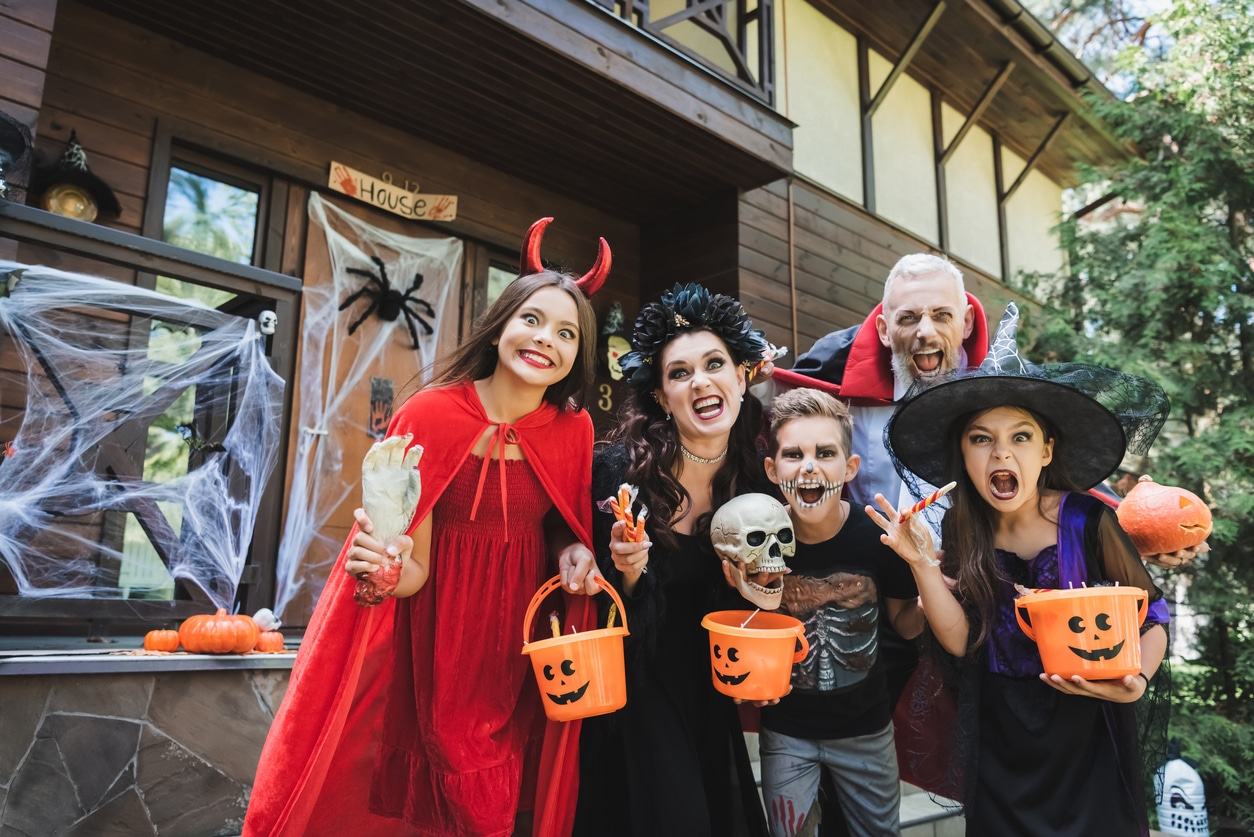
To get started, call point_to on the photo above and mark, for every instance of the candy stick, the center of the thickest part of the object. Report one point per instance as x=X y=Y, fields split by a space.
x=555 y=624
x=757 y=367
x=609 y=621
x=750 y=619
x=927 y=501
x=639 y=533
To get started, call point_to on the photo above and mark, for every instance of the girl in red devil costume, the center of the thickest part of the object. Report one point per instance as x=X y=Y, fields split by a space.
x=417 y=716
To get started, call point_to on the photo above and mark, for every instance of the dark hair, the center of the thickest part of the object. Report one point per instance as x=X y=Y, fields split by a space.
x=476 y=357
x=967 y=527
x=652 y=444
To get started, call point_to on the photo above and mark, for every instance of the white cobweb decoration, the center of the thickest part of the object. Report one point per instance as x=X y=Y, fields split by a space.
x=148 y=427
x=335 y=375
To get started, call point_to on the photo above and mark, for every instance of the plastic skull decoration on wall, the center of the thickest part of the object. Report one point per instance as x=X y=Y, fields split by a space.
x=754 y=533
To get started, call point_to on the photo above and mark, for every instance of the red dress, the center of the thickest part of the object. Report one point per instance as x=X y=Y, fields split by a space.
x=456 y=766
x=314 y=779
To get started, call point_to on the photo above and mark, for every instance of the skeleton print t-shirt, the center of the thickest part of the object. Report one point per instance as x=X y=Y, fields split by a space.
x=838 y=590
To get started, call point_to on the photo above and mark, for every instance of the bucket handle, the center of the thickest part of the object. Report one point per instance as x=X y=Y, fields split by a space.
x=801 y=653
x=555 y=583
x=1021 y=613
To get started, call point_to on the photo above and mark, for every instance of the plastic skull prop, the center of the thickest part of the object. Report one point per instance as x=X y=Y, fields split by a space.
x=267 y=322
x=754 y=533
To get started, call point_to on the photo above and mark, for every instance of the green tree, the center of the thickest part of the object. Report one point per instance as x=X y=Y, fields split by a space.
x=1161 y=283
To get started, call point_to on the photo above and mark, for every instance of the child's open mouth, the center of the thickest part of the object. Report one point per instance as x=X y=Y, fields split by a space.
x=709 y=407
x=1004 y=485
x=810 y=492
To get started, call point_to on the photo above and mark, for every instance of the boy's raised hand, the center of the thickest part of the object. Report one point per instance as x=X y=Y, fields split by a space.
x=911 y=540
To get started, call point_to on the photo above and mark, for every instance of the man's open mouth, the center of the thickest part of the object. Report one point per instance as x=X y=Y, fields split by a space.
x=928 y=362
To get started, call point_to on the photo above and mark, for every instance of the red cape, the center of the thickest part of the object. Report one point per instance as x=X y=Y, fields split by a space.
x=316 y=768
x=868 y=377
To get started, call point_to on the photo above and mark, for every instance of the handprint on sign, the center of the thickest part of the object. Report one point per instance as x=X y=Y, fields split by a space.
x=441 y=208
x=380 y=417
x=347 y=184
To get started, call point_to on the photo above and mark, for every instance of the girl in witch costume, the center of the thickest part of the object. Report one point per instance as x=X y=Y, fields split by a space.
x=419 y=715
x=673 y=761
x=1032 y=753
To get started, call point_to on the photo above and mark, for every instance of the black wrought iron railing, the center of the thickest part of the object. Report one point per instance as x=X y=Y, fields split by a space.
x=734 y=38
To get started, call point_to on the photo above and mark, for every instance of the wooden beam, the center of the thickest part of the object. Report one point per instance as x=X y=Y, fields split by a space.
x=906 y=57
x=868 y=148
x=1036 y=156
x=1003 y=236
x=985 y=100
x=942 y=190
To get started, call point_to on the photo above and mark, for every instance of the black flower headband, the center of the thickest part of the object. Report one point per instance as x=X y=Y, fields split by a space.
x=689 y=307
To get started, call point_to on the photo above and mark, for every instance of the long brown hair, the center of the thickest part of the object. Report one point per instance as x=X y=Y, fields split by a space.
x=476 y=357
x=967 y=527
x=652 y=444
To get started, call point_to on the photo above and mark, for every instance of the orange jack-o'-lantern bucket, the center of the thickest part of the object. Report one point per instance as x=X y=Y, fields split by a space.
x=579 y=674
x=1094 y=632
x=752 y=653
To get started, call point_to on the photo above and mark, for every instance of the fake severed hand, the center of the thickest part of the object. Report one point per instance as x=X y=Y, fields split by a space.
x=390 y=488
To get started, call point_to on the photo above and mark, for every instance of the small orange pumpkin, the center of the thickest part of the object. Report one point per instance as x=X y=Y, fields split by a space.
x=269 y=641
x=161 y=641
x=1163 y=518
x=220 y=633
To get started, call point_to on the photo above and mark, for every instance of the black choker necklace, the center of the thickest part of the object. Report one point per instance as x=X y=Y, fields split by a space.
x=690 y=455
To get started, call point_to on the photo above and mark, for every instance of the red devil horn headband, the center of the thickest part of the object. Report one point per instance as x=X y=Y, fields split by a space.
x=589 y=283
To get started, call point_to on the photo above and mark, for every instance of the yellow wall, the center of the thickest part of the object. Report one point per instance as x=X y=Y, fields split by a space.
x=817 y=87
x=971 y=189
x=1030 y=218
x=905 y=169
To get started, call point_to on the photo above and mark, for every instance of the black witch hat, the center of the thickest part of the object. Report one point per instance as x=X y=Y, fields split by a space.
x=1101 y=413
x=72 y=169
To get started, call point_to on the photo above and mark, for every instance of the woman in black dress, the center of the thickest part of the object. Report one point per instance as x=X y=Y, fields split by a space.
x=673 y=761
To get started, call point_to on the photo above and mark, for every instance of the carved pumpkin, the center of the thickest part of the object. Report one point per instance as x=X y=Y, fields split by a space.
x=1163 y=518
x=220 y=633
x=1092 y=631
x=269 y=641
x=727 y=658
x=161 y=641
x=565 y=670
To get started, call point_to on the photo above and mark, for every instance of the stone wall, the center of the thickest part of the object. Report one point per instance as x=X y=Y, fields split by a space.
x=171 y=753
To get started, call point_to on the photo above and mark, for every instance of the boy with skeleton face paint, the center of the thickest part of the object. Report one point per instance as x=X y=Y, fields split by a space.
x=838 y=714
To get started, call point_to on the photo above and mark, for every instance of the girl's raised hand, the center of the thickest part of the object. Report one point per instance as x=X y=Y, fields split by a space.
x=1124 y=690
x=911 y=540
x=631 y=558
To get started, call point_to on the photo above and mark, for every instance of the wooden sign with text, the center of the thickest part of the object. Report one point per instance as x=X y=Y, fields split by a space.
x=391 y=197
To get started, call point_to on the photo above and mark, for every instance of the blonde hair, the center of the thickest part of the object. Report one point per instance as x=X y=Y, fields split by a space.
x=804 y=402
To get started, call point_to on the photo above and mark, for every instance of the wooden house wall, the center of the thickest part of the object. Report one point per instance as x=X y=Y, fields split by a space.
x=841 y=257
x=113 y=81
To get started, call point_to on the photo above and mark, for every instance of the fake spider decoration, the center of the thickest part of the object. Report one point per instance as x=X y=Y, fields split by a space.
x=389 y=301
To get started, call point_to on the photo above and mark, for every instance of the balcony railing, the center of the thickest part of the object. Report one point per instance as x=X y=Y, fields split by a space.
x=734 y=38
